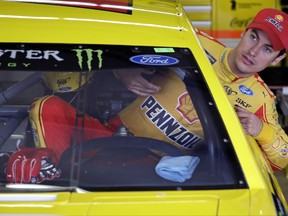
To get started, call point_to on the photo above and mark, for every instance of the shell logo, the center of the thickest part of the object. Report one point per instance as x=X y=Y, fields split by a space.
x=279 y=18
x=186 y=109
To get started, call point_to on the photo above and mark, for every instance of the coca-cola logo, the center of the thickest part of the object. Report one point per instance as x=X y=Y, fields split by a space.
x=240 y=23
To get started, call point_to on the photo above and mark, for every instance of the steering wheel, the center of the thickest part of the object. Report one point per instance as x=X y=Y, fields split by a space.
x=130 y=142
x=116 y=160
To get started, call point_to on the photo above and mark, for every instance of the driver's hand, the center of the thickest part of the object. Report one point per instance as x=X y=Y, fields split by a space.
x=136 y=83
x=29 y=165
x=250 y=122
x=48 y=170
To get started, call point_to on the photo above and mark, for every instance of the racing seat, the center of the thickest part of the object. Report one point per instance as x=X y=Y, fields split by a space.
x=111 y=94
x=13 y=118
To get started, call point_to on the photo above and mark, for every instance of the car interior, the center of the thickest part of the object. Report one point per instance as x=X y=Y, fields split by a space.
x=125 y=162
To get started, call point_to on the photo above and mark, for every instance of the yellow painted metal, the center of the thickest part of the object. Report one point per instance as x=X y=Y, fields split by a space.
x=57 y=23
x=177 y=203
x=137 y=203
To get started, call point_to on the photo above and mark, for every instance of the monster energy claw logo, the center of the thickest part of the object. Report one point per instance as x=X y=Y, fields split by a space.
x=89 y=54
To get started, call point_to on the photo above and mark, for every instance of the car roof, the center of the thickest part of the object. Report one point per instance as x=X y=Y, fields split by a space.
x=146 y=20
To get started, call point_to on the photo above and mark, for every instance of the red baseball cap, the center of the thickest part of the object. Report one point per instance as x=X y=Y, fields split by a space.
x=275 y=23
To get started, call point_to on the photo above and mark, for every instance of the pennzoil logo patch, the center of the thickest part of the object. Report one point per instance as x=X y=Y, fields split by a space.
x=276 y=21
x=168 y=125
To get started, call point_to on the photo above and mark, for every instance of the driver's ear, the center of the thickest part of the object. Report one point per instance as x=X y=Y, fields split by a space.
x=278 y=59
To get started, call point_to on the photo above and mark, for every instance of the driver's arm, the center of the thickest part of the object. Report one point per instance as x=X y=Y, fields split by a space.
x=136 y=83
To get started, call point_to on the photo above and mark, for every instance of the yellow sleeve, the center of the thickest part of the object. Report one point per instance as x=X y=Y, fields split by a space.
x=273 y=140
x=266 y=135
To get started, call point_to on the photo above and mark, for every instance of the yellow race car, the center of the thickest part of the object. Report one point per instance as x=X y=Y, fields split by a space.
x=70 y=52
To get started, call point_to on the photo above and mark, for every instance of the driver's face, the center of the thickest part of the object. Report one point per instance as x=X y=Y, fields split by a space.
x=253 y=54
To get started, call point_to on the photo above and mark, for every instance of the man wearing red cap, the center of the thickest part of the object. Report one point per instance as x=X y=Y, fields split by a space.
x=274 y=23
x=264 y=42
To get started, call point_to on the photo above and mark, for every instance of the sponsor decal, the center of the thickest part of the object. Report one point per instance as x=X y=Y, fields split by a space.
x=229 y=90
x=284 y=151
x=155 y=60
x=184 y=108
x=90 y=57
x=65 y=89
x=63 y=82
x=167 y=124
x=31 y=54
x=244 y=90
x=21 y=58
x=164 y=50
x=13 y=54
x=243 y=103
x=276 y=21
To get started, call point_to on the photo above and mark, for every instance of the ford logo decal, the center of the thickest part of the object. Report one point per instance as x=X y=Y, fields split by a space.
x=246 y=90
x=158 y=60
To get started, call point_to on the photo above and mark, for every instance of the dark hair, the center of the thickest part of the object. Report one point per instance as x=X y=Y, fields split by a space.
x=281 y=52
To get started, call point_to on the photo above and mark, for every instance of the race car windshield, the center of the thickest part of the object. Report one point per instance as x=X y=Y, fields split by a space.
x=69 y=108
